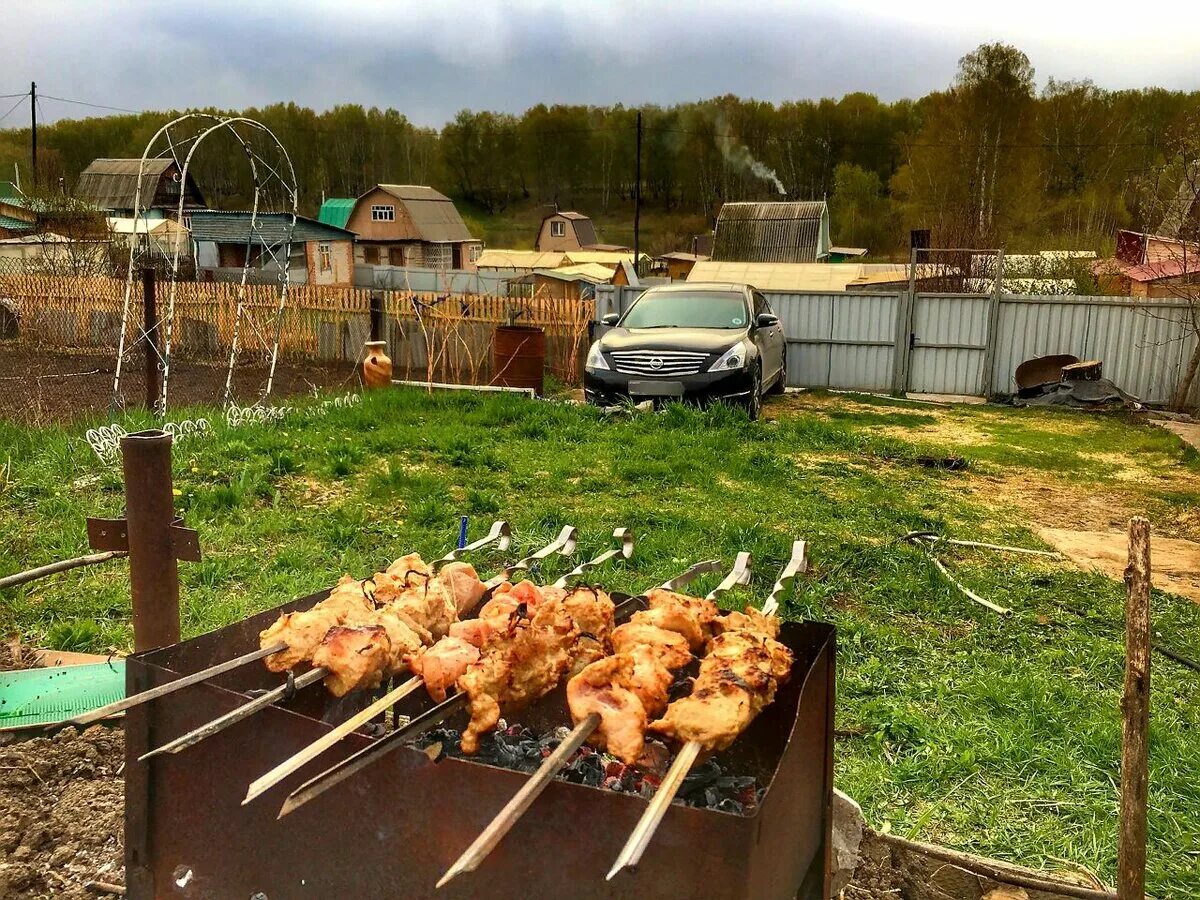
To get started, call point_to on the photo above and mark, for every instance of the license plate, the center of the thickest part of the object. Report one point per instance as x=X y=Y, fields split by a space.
x=656 y=388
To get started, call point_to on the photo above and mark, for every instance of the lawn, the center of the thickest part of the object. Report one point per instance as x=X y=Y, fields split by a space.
x=995 y=735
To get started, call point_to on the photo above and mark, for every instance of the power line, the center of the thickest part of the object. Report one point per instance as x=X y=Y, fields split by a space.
x=92 y=105
x=13 y=108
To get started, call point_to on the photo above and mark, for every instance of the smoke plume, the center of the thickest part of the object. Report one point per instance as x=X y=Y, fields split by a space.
x=738 y=155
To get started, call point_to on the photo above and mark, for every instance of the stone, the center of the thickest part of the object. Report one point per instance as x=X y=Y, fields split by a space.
x=848 y=826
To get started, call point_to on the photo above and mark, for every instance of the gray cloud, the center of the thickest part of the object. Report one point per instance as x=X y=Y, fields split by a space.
x=430 y=59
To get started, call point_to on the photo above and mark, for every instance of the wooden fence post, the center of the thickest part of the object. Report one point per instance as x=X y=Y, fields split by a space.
x=1135 y=711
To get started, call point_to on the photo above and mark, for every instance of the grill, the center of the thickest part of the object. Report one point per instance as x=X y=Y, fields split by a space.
x=392 y=829
x=661 y=363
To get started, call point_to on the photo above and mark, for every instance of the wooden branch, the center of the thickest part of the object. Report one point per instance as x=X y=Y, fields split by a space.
x=10 y=581
x=997 y=871
x=1135 y=710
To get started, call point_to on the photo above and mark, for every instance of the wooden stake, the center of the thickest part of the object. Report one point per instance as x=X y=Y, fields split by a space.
x=1135 y=710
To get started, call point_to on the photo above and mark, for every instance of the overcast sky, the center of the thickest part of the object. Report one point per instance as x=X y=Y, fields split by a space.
x=430 y=58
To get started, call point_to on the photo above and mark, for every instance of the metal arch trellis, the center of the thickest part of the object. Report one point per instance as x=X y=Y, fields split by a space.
x=173 y=140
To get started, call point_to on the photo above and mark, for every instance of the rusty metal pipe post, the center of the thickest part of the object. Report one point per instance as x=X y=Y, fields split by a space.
x=150 y=514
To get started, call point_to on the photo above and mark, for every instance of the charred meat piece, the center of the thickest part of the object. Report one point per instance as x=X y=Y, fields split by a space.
x=356 y=657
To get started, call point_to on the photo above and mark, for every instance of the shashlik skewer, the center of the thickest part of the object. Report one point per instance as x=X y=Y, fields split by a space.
x=433 y=717
x=265 y=782
x=563 y=544
x=585 y=727
x=499 y=534
x=738 y=681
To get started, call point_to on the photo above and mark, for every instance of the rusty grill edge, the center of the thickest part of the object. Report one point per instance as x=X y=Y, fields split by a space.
x=392 y=830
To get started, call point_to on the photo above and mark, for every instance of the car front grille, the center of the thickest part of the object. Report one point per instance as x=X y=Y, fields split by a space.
x=658 y=363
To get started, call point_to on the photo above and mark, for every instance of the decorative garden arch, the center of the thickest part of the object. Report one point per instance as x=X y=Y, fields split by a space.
x=272 y=170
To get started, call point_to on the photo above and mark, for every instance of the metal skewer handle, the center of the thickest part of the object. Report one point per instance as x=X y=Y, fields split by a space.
x=624 y=535
x=564 y=544
x=797 y=565
x=500 y=532
x=739 y=574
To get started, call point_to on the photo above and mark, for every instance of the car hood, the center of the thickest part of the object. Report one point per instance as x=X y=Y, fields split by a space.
x=708 y=340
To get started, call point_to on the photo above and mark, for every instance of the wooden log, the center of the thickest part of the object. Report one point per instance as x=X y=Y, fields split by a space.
x=1135 y=711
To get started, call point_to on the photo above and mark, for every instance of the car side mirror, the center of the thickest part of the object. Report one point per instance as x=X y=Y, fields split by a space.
x=766 y=320
x=610 y=319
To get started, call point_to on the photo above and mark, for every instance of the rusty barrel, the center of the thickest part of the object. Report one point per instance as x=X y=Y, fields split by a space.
x=519 y=356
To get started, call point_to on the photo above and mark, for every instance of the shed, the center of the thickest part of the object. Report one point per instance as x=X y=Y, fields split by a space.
x=780 y=231
x=319 y=253
x=846 y=254
x=112 y=185
x=678 y=264
x=524 y=261
x=559 y=284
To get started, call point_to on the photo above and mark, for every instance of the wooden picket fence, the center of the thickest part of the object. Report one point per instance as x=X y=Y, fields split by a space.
x=430 y=336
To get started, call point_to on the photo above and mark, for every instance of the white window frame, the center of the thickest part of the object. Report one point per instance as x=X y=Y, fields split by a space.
x=475 y=252
x=325 y=256
x=383 y=212
x=558 y=228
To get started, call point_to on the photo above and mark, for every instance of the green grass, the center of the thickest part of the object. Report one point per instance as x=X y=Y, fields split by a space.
x=996 y=735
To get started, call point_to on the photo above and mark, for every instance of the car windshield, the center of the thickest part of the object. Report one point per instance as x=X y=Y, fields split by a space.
x=677 y=309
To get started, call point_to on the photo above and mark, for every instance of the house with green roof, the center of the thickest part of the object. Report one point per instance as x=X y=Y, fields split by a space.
x=336 y=211
x=16 y=216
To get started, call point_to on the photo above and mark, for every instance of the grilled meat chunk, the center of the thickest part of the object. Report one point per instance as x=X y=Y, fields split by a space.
x=517 y=667
x=749 y=620
x=303 y=631
x=441 y=665
x=624 y=690
x=738 y=678
x=356 y=657
x=464 y=585
x=670 y=647
x=594 y=615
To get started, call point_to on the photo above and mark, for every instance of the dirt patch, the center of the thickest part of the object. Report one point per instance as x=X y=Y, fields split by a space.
x=41 y=387
x=1055 y=504
x=944 y=431
x=1176 y=562
x=61 y=813
x=1188 y=432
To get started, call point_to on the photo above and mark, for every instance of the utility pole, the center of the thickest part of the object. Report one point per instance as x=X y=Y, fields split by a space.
x=637 y=196
x=33 y=130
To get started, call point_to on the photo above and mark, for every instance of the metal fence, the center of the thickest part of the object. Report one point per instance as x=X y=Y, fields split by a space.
x=969 y=344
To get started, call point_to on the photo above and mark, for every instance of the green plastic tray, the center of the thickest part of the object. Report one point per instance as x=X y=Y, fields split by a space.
x=40 y=696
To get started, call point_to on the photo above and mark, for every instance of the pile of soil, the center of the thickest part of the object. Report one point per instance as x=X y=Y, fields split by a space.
x=62 y=807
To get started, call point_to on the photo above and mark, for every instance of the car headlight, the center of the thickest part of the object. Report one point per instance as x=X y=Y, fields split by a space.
x=595 y=359
x=733 y=358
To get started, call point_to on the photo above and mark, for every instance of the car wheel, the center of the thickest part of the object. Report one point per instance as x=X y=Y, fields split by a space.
x=780 y=382
x=754 y=401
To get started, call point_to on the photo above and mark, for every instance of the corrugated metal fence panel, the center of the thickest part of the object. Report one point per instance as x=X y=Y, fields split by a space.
x=1027 y=330
x=838 y=340
x=1143 y=348
x=949 y=338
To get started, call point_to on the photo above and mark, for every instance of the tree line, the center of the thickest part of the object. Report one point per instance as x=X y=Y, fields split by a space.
x=989 y=161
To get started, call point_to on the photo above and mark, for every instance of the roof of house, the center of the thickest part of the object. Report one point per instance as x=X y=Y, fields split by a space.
x=11 y=224
x=271 y=228
x=520 y=259
x=1154 y=271
x=609 y=258
x=142 y=225
x=336 y=211
x=781 y=231
x=585 y=231
x=567 y=274
x=631 y=275
x=433 y=214
x=849 y=251
x=779 y=276
x=591 y=271
x=680 y=256
x=610 y=248
x=113 y=183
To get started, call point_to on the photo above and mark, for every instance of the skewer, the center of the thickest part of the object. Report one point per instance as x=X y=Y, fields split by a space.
x=362 y=758
x=564 y=544
x=641 y=836
x=504 y=820
x=499 y=532
x=265 y=782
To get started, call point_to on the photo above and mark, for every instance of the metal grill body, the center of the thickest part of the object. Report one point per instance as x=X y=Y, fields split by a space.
x=658 y=363
x=391 y=830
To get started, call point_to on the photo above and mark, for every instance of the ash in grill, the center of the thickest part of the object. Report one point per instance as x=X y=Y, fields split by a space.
x=708 y=786
x=659 y=362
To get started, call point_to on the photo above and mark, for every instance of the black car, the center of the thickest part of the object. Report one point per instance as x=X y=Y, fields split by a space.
x=690 y=341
